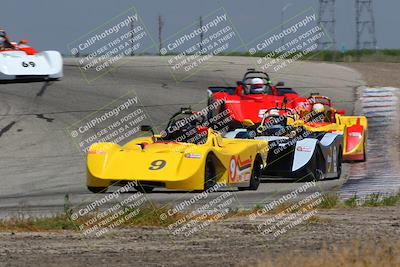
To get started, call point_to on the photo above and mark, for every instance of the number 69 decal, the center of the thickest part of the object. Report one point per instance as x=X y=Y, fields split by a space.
x=157 y=165
x=28 y=64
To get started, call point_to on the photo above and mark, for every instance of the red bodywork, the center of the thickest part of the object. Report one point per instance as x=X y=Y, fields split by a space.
x=354 y=136
x=28 y=50
x=21 y=47
x=253 y=106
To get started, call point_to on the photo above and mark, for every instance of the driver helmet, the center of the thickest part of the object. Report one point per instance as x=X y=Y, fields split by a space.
x=3 y=36
x=257 y=86
x=318 y=108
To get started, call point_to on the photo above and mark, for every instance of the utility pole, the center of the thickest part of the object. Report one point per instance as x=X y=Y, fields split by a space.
x=160 y=27
x=132 y=53
x=282 y=19
x=365 y=25
x=201 y=33
x=327 y=21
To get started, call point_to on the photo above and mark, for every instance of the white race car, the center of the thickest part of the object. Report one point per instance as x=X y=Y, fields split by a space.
x=23 y=62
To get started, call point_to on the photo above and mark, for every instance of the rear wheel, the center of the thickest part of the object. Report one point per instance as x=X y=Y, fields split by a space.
x=210 y=178
x=97 y=190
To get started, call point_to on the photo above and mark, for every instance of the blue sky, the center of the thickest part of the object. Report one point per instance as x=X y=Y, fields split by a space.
x=52 y=24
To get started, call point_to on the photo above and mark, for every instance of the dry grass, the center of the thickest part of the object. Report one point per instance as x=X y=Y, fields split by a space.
x=357 y=254
x=318 y=220
x=378 y=74
x=150 y=216
x=146 y=216
x=374 y=200
x=40 y=224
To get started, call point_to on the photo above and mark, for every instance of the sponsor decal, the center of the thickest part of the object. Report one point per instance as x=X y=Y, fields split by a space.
x=304 y=149
x=244 y=164
x=330 y=159
x=239 y=171
x=355 y=135
x=192 y=156
x=334 y=159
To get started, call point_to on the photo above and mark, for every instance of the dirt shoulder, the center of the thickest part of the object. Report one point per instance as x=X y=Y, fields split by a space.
x=378 y=73
x=226 y=243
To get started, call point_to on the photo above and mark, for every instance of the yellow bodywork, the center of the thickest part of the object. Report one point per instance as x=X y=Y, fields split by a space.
x=358 y=151
x=173 y=165
x=345 y=126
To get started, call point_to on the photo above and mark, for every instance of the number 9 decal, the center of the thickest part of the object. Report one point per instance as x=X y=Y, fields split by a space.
x=232 y=169
x=157 y=165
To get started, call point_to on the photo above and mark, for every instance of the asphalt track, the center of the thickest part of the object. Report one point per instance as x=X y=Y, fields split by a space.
x=40 y=164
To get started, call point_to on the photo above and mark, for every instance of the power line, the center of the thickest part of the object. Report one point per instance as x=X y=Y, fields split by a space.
x=160 y=27
x=132 y=46
x=201 y=33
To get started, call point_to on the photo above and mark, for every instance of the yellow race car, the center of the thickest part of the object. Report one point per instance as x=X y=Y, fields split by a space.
x=187 y=155
x=319 y=115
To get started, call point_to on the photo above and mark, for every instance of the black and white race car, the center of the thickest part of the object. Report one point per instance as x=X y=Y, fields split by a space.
x=294 y=152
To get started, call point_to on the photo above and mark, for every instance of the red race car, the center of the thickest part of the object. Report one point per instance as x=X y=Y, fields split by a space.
x=250 y=98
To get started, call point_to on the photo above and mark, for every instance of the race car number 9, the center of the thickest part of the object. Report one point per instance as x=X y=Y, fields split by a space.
x=232 y=169
x=28 y=64
x=157 y=165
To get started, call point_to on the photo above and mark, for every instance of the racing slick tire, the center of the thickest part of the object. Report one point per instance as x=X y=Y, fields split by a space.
x=97 y=190
x=318 y=175
x=315 y=173
x=255 y=179
x=210 y=178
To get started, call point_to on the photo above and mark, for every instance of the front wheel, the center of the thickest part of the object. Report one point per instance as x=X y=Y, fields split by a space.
x=318 y=175
x=317 y=171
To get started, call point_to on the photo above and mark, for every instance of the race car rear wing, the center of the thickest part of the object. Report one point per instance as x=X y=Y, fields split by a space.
x=222 y=89
x=354 y=120
x=285 y=90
